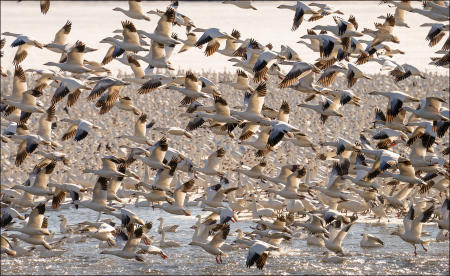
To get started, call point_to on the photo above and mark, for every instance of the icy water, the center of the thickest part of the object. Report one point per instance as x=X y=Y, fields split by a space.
x=96 y=20
x=297 y=258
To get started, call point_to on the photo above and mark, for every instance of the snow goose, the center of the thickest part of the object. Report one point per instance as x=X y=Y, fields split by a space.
x=27 y=105
x=396 y=100
x=290 y=191
x=231 y=44
x=258 y=254
x=134 y=10
x=216 y=193
x=74 y=61
x=265 y=60
x=130 y=40
x=19 y=87
x=190 y=41
x=127 y=217
x=430 y=110
x=370 y=241
x=173 y=131
x=140 y=131
x=255 y=172
x=397 y=123
x=157 y=57
x=404 y=71
x=157 y=153
x=298 y=71
x=212 y=163
x=104 y=232
x=213 y=246
x=129 y=250
x=353 y=74
x=329 y=75
x=443 y=223
x=68 y=86
x=39 y=181
x=109 y=168
x=99 y=197
x=6 y=247
x=437 y=14
x=78 y=129
x=177 y=208
x=384 y=159
x=412 y=225
x=260 y=212
x=241 y=4
x=24 y=42
x=213 y=37
x=163 y=243
x=325 y=108
x=384 y=32
x=436 y=33
x=407 y=173
x=60 y=38
x=34 y=224
x=28 y=143
x=324 y=9
x=191 y=89
x=334 y=242
x=253 y=102
x=163 y=29
x=125 y=103
x=167 y=228
x=8 y=214
x=36 y=239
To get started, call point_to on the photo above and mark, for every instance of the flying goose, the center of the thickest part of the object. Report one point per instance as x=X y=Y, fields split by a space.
x=265 y=60
x=412 y=224
x=60 y=38
x=430 y=110
x=177 y=208
x=134 y=10
x=191 y=89
x=212 y=163
x=140 y=131
x=68 y=86
x=157 y=153
x=253 y=102
x=130 y=248
x=99 y=197
x=213 y=246
x=34 y=224
x=130 y=41
x=8 y=214
x=74 y=61
x=163 y=30
x=158 y=56
x=298 y=71
x=396 y=100
x=36 y=239
x=125 y=103
x=404 y=71
x=241 y=4
x=325 y=108
x=78 y=129
x=24 y=42
x=258 y=254
x=190 y=41
x=213 y=37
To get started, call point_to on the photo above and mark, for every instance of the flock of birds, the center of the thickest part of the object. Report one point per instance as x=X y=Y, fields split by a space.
x=361 y=172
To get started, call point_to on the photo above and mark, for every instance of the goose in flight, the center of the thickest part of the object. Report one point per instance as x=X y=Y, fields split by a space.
x=253 y=102
x=298 y=71
x=405 y=71
x=178 y=208
x=396 y=100
x=191 y=89
x=134 y=11
x=247 y=4
x=264 y=61
x=412 y=224
x=242 y=82
x=140 y=131
x=74 y=62
x=258 y=254
x=213 y=37
x=78 y=129
x=28 y=143
x=109 y=168
x=130 y=248
x=429 y=110
x=212 y=163
x=213 y=246
x=216 y=193
x=334 y=242
x=60 y=38
x=130 y=42
x=25 y=43
x=158 y=56
x=36 y=239
x=157 y=153
x=325 y=108
x=39 y=181
x=34 y=224
x=99 y=196
x=163 y=30
x=68 y=86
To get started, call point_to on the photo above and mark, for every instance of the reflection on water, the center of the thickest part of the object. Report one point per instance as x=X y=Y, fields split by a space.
x=83 y=258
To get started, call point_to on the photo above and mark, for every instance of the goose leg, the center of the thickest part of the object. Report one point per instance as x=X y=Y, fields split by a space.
x=217 y=260
x=220 y=258
x=424 y=247
x=99 y=215
x=415 y=251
